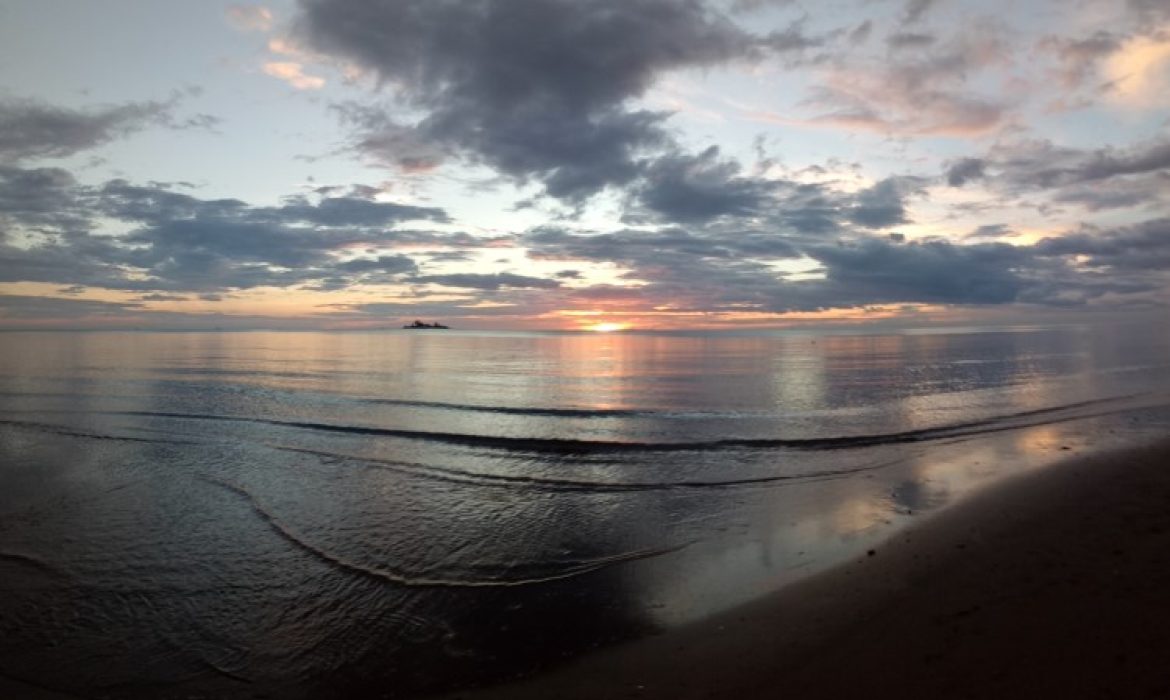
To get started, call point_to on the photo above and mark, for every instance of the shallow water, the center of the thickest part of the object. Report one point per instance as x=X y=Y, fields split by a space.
x=407 y=512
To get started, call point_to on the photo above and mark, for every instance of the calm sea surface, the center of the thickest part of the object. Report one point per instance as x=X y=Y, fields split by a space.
x=400 y=513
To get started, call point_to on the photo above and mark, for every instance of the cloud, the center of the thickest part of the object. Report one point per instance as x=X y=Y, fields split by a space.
x=927 y=92
x=162 y=297
x=917 y=9
x=964 y=170
x=177 y=242
x=1124 y=251
x=247 y=18
x=644 y=248
x=33 y=308
x=1149 y=13
x=1139 y=71
x=489 y=282
x=1078 y=59
x=910 y=40
x=538 y=90
x=685 y=188
x=1040 y=164
x=883 y=205
x=876 y=270
x=991 y=231
x=39 y=199
x=860 y=34
x=293 y=73
x=33 y=129
x=723 y=269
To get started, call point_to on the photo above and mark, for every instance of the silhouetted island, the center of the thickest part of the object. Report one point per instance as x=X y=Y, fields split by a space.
x=417 y=325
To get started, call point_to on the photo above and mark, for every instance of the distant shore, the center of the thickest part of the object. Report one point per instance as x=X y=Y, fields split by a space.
x=1052 y=584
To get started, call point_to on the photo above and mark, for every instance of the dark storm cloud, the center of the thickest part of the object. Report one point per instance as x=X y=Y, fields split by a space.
x=537 y=89
x=31 y=129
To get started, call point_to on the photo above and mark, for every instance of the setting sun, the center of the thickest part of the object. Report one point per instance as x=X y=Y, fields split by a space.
x=607 y=327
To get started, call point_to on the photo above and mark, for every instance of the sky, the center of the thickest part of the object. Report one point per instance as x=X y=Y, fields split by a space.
x=582 y=164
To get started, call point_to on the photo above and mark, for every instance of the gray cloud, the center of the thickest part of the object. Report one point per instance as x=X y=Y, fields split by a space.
x=883 y=204
x=860 y=33
x=17 y=307
x=992 y=231
x=535 y=90
x=489 y=282
x=1078 y=58
x=39 y=199
x=877 y=270
x=927 y=91
x=717 y=269
x=965 y=170
x=685 y=188
x=910 y=40
x=32 y=129
x=917 y=9
x=179 y=242
x=1143 y=247
x=1041 y=164
x=1097 y=179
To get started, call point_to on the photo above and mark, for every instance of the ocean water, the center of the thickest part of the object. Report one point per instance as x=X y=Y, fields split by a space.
x=402 y=513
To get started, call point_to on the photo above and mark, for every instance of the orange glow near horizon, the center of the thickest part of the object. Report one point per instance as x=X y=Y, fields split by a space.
x=608 y=327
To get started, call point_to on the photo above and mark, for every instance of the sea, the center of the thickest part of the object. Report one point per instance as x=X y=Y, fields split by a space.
x=405 y=513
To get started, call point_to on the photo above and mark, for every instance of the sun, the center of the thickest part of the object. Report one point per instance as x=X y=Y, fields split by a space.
x=608 y=327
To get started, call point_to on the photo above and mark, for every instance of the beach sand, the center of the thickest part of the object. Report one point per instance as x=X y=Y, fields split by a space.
x=1050 y=584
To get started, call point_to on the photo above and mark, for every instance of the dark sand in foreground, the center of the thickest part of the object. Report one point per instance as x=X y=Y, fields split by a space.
x=1052 y=584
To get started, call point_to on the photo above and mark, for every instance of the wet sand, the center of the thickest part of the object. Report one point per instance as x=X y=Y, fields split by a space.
x=1050 y=584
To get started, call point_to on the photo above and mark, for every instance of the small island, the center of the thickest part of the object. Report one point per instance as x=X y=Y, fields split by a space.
x=419 y=325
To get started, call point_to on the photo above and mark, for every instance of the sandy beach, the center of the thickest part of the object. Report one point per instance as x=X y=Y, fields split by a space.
x=1050 y=584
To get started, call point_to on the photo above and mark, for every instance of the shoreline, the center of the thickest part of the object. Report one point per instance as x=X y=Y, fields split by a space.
x=1054 y=581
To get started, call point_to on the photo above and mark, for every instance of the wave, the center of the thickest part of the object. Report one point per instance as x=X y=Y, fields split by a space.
x=569 y=446
x=569 y=569
x=66 y=431
x=551 y=412
x=520 y=410
x=548 y=445
x=541 y=483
